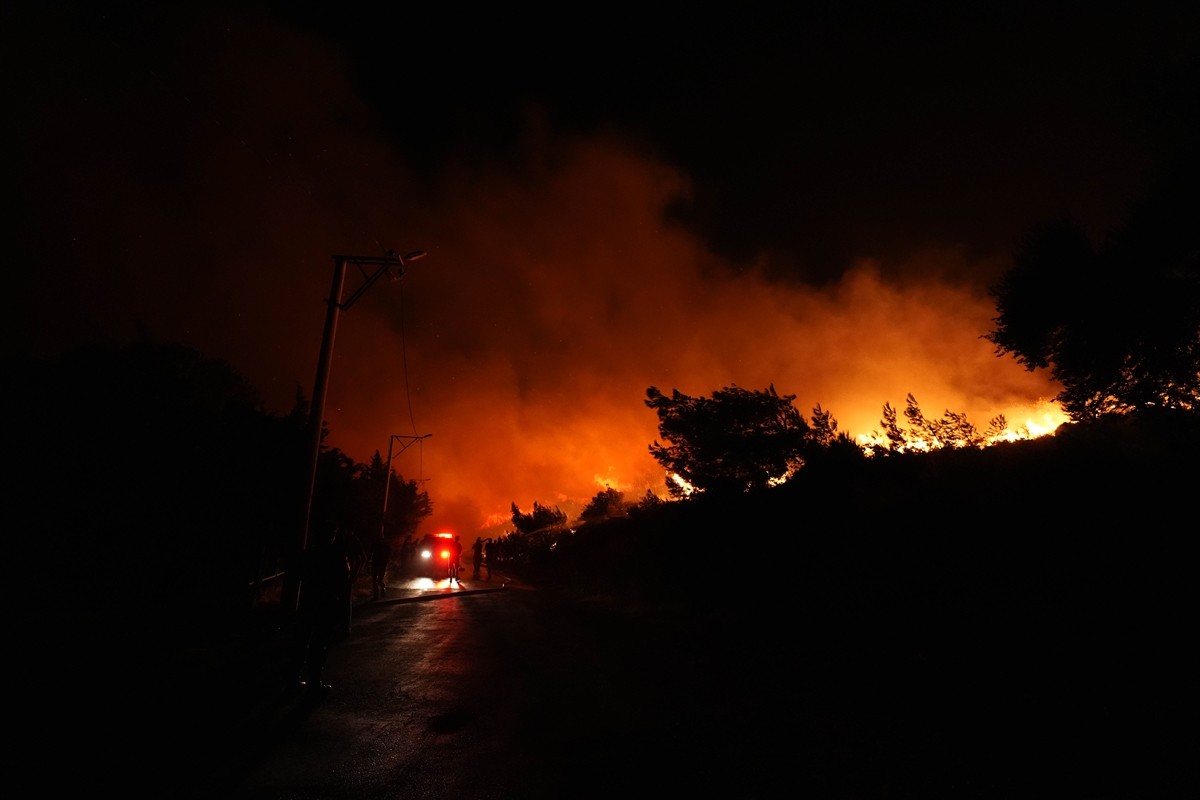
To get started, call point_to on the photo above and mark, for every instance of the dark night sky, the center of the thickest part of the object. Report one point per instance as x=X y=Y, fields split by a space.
x=611 y=198
x=819 y=135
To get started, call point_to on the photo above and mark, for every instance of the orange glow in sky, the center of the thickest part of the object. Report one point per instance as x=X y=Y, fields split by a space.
x=554 y=293
x=526 y=340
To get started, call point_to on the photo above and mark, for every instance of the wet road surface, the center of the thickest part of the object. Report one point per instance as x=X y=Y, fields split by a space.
x=834 y=689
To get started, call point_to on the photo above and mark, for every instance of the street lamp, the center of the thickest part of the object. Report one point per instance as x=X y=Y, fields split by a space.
x=390 y=262
x=387 y=474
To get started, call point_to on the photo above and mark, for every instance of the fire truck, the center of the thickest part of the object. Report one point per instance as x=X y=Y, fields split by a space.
x=432 y=555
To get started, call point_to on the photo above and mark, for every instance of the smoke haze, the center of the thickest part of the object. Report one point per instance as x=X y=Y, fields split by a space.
x=204 y=206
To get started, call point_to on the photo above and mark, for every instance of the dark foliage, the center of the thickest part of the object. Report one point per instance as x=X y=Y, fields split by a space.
x=407 y=505
x=952 y=430
x=540 y=518
x=1091 y=494
x=606 y=504
x=151 y=471
x=735 y=441
x=1117 y=326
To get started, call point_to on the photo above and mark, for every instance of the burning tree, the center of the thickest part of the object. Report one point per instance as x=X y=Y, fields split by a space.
x=540 y=518
x=923 y=434
x=734 y=441
x=606 y=504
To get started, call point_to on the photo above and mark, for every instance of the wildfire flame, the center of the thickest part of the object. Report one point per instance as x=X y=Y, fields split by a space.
x=1042 y=419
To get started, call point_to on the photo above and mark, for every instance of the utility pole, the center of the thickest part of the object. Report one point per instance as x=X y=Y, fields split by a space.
x=390 y=262
x=387 y=474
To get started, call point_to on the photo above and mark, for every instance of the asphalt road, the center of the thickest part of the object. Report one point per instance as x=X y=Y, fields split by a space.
x=830 y=688
x=505 y=694
x=758 y=688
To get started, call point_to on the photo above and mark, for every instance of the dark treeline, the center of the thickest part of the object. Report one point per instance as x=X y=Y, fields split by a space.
x=1119 y=490
x=1009 y=621
x=150 y=475
x=997 y=614
x=151 y=471
x=1114 y=322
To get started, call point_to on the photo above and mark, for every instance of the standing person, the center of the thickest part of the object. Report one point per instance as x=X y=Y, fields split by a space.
x=357 y=555
x=380 y=556
x=477 y=557
x=456 y=549
x=406 y=552
x=324 y=608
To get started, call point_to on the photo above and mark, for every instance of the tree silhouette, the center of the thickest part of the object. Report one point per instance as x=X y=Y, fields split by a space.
x=179 y=477
x=953 y=430
x=407 y=504
x=541 y=517
x=1117 y=326
x=182 y=478
x=735 y=441
x=606 y=504
x=829 y=445
x=648 y=502
x=825 y=428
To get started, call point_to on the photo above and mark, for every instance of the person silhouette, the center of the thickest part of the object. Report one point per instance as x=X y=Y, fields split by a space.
x=380 y=556
x=406 y=552
x=324 y=607
x=456 y=549
x=476 y=557
x=356 y=554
